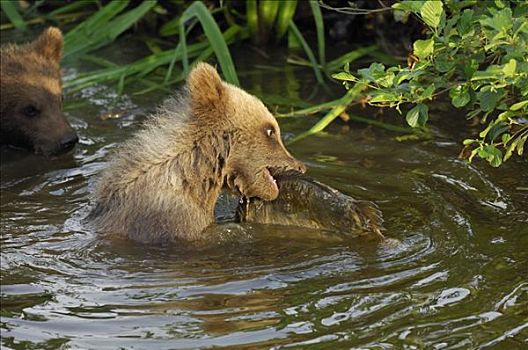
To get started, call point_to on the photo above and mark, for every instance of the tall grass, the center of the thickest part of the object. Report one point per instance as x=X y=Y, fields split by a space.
x=11 y=12
x=103 y=27
x=165 y=66
x=214 y=35
x=138 y=70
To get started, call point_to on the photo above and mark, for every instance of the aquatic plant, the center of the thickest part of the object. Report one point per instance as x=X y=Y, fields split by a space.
x=473 y=51
x=99 y=25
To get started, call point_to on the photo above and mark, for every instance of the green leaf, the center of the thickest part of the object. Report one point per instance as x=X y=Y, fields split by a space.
x=520 y=144
x=504 y=116
x=518 y=105
x=501 y=21
x=509 y=68
x=459 y=96
x=423 y=48
x=510 y=149
x=344 y=76
x=444 y=64
x=384 y=97
x=488 y=99
x=407 y=74
x=409 y=5
x=465 y=24
x=470 y=68
x=499 y=4
x=418 y=115
x=401 y=16
x=428 y=92
x=431 y=13
x=492 y=154
x=497 y=130
x=372 y=73
x=386 y=80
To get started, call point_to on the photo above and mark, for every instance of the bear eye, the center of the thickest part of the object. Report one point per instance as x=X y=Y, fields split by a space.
x=30 y=111
x=269 y=132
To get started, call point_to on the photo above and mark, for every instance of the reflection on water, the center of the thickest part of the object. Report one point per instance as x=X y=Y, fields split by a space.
x=456 y=277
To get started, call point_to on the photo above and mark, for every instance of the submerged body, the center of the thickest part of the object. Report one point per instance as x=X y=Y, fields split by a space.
x=162 y=185
x=31 y=115
x=305 y=202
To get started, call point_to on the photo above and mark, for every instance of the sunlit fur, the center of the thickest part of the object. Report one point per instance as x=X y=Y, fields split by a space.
x=162 y=184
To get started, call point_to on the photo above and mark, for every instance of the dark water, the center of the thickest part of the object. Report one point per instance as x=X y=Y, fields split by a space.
x=459 y=280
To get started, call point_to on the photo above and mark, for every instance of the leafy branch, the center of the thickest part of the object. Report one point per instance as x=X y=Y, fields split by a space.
x=475 y=52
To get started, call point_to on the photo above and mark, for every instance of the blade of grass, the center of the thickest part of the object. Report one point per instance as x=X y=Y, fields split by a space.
x=11 y=12
x=145 y=65
x=351 y=95
x=172 y=27
x=308 y=51
x=62 y=19
x=178 y=49
x=215 y=38
x=81 y=35
x=252 y=16
x=201 y=57
x=142 y=66
x=268 y=13
x=382 y=125
x=285 y=15
x=311 y=110
x=280 y=100
x=102 y=16
x=105 y=30
x=152 y=86
x=319 y=25
x=338 y=63
x=74 y=6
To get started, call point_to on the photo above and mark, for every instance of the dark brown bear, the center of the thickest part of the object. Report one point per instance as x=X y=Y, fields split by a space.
x=31 y=96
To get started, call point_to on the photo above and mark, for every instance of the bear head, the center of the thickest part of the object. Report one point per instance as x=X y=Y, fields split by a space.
x=31 y=107
x=257 y=152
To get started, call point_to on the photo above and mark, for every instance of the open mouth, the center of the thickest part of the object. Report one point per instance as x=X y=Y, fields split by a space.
x=269 y=178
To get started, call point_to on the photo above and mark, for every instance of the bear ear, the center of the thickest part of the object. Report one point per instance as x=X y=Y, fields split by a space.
x=205 y=86
x=50 y=44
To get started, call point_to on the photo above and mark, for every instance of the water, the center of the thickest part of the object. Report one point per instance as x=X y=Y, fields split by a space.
x=458 y=280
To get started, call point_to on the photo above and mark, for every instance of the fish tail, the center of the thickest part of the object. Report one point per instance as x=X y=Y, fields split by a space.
x=373 y=219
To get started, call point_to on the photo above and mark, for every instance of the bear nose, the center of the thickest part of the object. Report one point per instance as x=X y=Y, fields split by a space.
x=68 y=141
x=297 y=165
x=301 y=167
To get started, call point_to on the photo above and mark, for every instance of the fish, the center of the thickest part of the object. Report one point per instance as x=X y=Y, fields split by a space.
x=306 y=202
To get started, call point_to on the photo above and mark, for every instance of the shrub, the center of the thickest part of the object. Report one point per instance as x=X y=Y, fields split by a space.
x=476 y=52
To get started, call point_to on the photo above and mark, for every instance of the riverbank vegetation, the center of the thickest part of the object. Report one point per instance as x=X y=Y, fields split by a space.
x=470 y=53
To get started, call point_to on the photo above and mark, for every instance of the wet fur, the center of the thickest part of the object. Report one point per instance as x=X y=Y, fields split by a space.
x=30 y=75
x=162 y=185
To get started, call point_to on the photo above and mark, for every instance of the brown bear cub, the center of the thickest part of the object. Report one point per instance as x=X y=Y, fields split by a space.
x=31 y=105
x=162 y=185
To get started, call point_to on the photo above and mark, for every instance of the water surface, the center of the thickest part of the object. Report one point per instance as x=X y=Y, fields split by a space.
x=458 y=280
